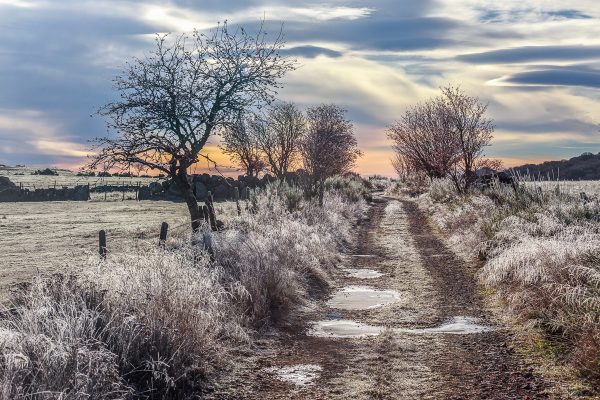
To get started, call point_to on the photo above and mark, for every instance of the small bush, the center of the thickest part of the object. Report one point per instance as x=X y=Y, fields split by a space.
x=46 y=171
x=412 y=185
x=352 y=187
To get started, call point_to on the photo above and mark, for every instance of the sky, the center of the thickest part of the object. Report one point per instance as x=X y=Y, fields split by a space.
x=536 y=63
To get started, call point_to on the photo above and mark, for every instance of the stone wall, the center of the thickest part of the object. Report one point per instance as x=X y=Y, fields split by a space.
x=11 y=192
x=221 y=188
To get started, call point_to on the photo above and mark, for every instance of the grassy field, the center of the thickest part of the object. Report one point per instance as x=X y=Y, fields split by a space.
x=42 y=238
x=568 y=187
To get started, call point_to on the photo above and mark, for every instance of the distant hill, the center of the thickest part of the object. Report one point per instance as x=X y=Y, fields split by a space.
x=583 y=167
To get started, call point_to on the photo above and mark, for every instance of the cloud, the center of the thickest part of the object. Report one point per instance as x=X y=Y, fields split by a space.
x=554 y=76
x=528 y=54
x=547 y=127
x=528 y=13
x=377 y=33
x=310 y=52
x=31 y=136
x=568 y=14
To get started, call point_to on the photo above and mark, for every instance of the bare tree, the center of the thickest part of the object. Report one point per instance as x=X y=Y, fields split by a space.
x=279 y=139
x=472 y=132
x=402 y=166
x=329 y=147
x=445 y=136
x=423 y=139
x=240 y=142
x=183 y=92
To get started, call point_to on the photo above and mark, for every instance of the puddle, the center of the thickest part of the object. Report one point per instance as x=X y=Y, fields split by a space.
x=343 y=328
x=456 y=326
x=363 y=273
x=299 y=375
x=362 y=298
x=334 y=315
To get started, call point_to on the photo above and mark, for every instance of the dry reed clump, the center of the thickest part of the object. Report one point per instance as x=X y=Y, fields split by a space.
x=154 y=323
x=542 y=256
x=280 y=254
x=151 y=321
x=351 y=186
x=410 y=184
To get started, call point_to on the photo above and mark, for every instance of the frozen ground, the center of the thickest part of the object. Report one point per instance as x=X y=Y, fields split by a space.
x=53 y=236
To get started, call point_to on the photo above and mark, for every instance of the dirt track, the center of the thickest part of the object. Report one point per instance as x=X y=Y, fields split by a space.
x=434 y=287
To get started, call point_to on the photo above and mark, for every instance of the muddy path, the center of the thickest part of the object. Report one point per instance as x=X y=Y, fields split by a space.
x=404 y=321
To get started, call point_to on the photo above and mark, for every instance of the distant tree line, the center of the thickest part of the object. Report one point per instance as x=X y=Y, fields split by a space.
x=583 y=167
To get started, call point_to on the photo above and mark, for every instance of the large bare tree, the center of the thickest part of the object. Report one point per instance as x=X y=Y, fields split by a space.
x=444 y=136
x=329 y=147
x=279 y=138
x=240 y=143
x=183 y=92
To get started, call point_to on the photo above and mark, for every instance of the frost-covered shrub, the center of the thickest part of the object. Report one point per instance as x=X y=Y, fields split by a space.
x=541 y=250
x=163 y=323
x=443 y=191
x=148 y=319
x=277 y=254
x=380 y=182
x=414 y=185
x=350 y=186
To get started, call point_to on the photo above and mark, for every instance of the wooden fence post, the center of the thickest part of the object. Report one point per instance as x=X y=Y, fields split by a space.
x=102 y=244
x=236 y=196
x=211 y=211
x=206 y=214
x=164 y=227
x=208 y=245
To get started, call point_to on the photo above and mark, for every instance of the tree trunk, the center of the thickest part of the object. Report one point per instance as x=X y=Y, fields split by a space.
x=321 y=189
x=187 y=192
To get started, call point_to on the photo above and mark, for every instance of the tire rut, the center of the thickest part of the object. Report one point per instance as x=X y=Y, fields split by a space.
x=482 y=366
x=398 y=365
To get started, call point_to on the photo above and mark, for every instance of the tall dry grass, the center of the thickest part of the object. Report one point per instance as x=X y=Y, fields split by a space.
x=156 y=323
x=541 y=253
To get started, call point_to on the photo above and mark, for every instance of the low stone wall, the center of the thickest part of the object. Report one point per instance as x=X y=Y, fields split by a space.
x=221 y=188
x=11 y=192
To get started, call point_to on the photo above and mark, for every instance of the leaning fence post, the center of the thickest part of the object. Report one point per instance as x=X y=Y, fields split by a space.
x=102 y=244
x=236 y=196
x=164 y=228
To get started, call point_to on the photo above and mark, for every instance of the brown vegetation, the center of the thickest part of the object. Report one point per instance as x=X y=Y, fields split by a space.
x=444 y=136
